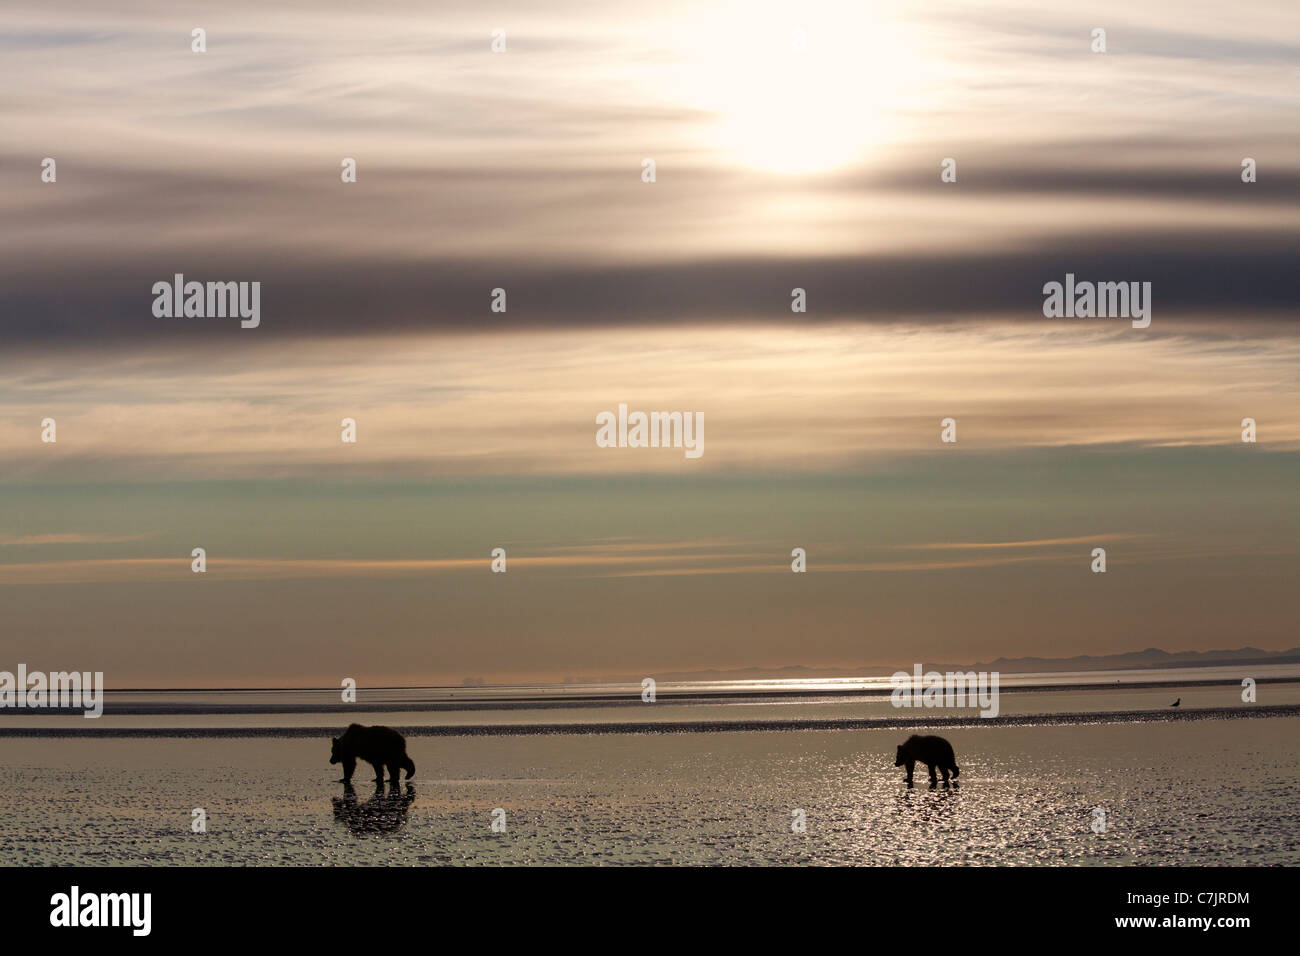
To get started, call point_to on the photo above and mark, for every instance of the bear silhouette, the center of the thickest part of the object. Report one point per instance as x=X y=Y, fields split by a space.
x=931 y=751
x=382 y=813
x=379 y=746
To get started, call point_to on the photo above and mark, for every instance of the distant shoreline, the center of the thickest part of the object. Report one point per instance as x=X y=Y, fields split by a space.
x=549 y=702
x=1164 y=715
x=1151 y=659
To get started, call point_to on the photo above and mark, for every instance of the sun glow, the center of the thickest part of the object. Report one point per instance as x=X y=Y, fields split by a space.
x=800 y=87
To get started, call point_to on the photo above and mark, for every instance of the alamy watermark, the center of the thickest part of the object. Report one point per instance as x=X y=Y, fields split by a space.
x=211 y=300
x=36 y=690
x=76 y=908
x=683 y=430
x=953 y=689
x=1099 y=300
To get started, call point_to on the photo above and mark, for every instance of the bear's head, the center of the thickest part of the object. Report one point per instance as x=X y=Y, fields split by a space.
x=898 y=759
x=334 y=751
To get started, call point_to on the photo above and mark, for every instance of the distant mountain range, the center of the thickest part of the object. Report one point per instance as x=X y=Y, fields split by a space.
x=1141 y=660
x=1152 y=657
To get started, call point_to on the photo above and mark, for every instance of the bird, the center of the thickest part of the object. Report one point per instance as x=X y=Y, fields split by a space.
x=1177 y=702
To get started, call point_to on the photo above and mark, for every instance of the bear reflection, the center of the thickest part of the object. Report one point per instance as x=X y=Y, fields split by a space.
x=384 y=812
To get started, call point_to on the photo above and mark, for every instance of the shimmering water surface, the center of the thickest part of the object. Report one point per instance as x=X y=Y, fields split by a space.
x=714 y=703
x=1207 y=791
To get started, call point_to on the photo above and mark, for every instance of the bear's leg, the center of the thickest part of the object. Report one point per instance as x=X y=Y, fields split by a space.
x=379 y=770
x=910 y=765
x=349 y=765
x=394 y=772
x=933 y=778
x=945 y=774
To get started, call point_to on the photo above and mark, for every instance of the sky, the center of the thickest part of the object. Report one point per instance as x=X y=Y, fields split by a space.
x=794 y=146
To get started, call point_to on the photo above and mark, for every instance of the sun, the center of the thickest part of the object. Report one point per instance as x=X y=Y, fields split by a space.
x=800 y=87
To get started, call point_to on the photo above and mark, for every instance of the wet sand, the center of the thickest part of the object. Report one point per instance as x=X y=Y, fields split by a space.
x=1190 y=790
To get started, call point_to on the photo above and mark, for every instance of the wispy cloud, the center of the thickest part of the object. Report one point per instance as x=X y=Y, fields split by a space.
x=828 y=397
x=148 y=570
x=1037 y=543
x=67 y=537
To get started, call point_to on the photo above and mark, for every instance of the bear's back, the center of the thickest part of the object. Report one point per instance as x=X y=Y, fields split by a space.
x=928 y=747
x=372 y=740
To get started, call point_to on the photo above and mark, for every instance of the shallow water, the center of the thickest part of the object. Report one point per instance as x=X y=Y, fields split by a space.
x=1190 y=791
x=416 y=708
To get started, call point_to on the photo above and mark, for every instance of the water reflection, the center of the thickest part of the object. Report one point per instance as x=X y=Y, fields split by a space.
x=384 y=812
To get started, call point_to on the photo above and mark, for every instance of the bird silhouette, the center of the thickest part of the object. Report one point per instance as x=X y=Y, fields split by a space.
x=1177 y=702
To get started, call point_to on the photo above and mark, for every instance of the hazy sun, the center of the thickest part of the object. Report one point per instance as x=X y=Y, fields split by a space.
x=799 y=87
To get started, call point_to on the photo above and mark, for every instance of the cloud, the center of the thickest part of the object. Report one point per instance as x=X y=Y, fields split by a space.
x=67 y=537
x=521 y=171
x=367 y=268
x=802 y=398
x=1039 y=543
x=178 y=570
